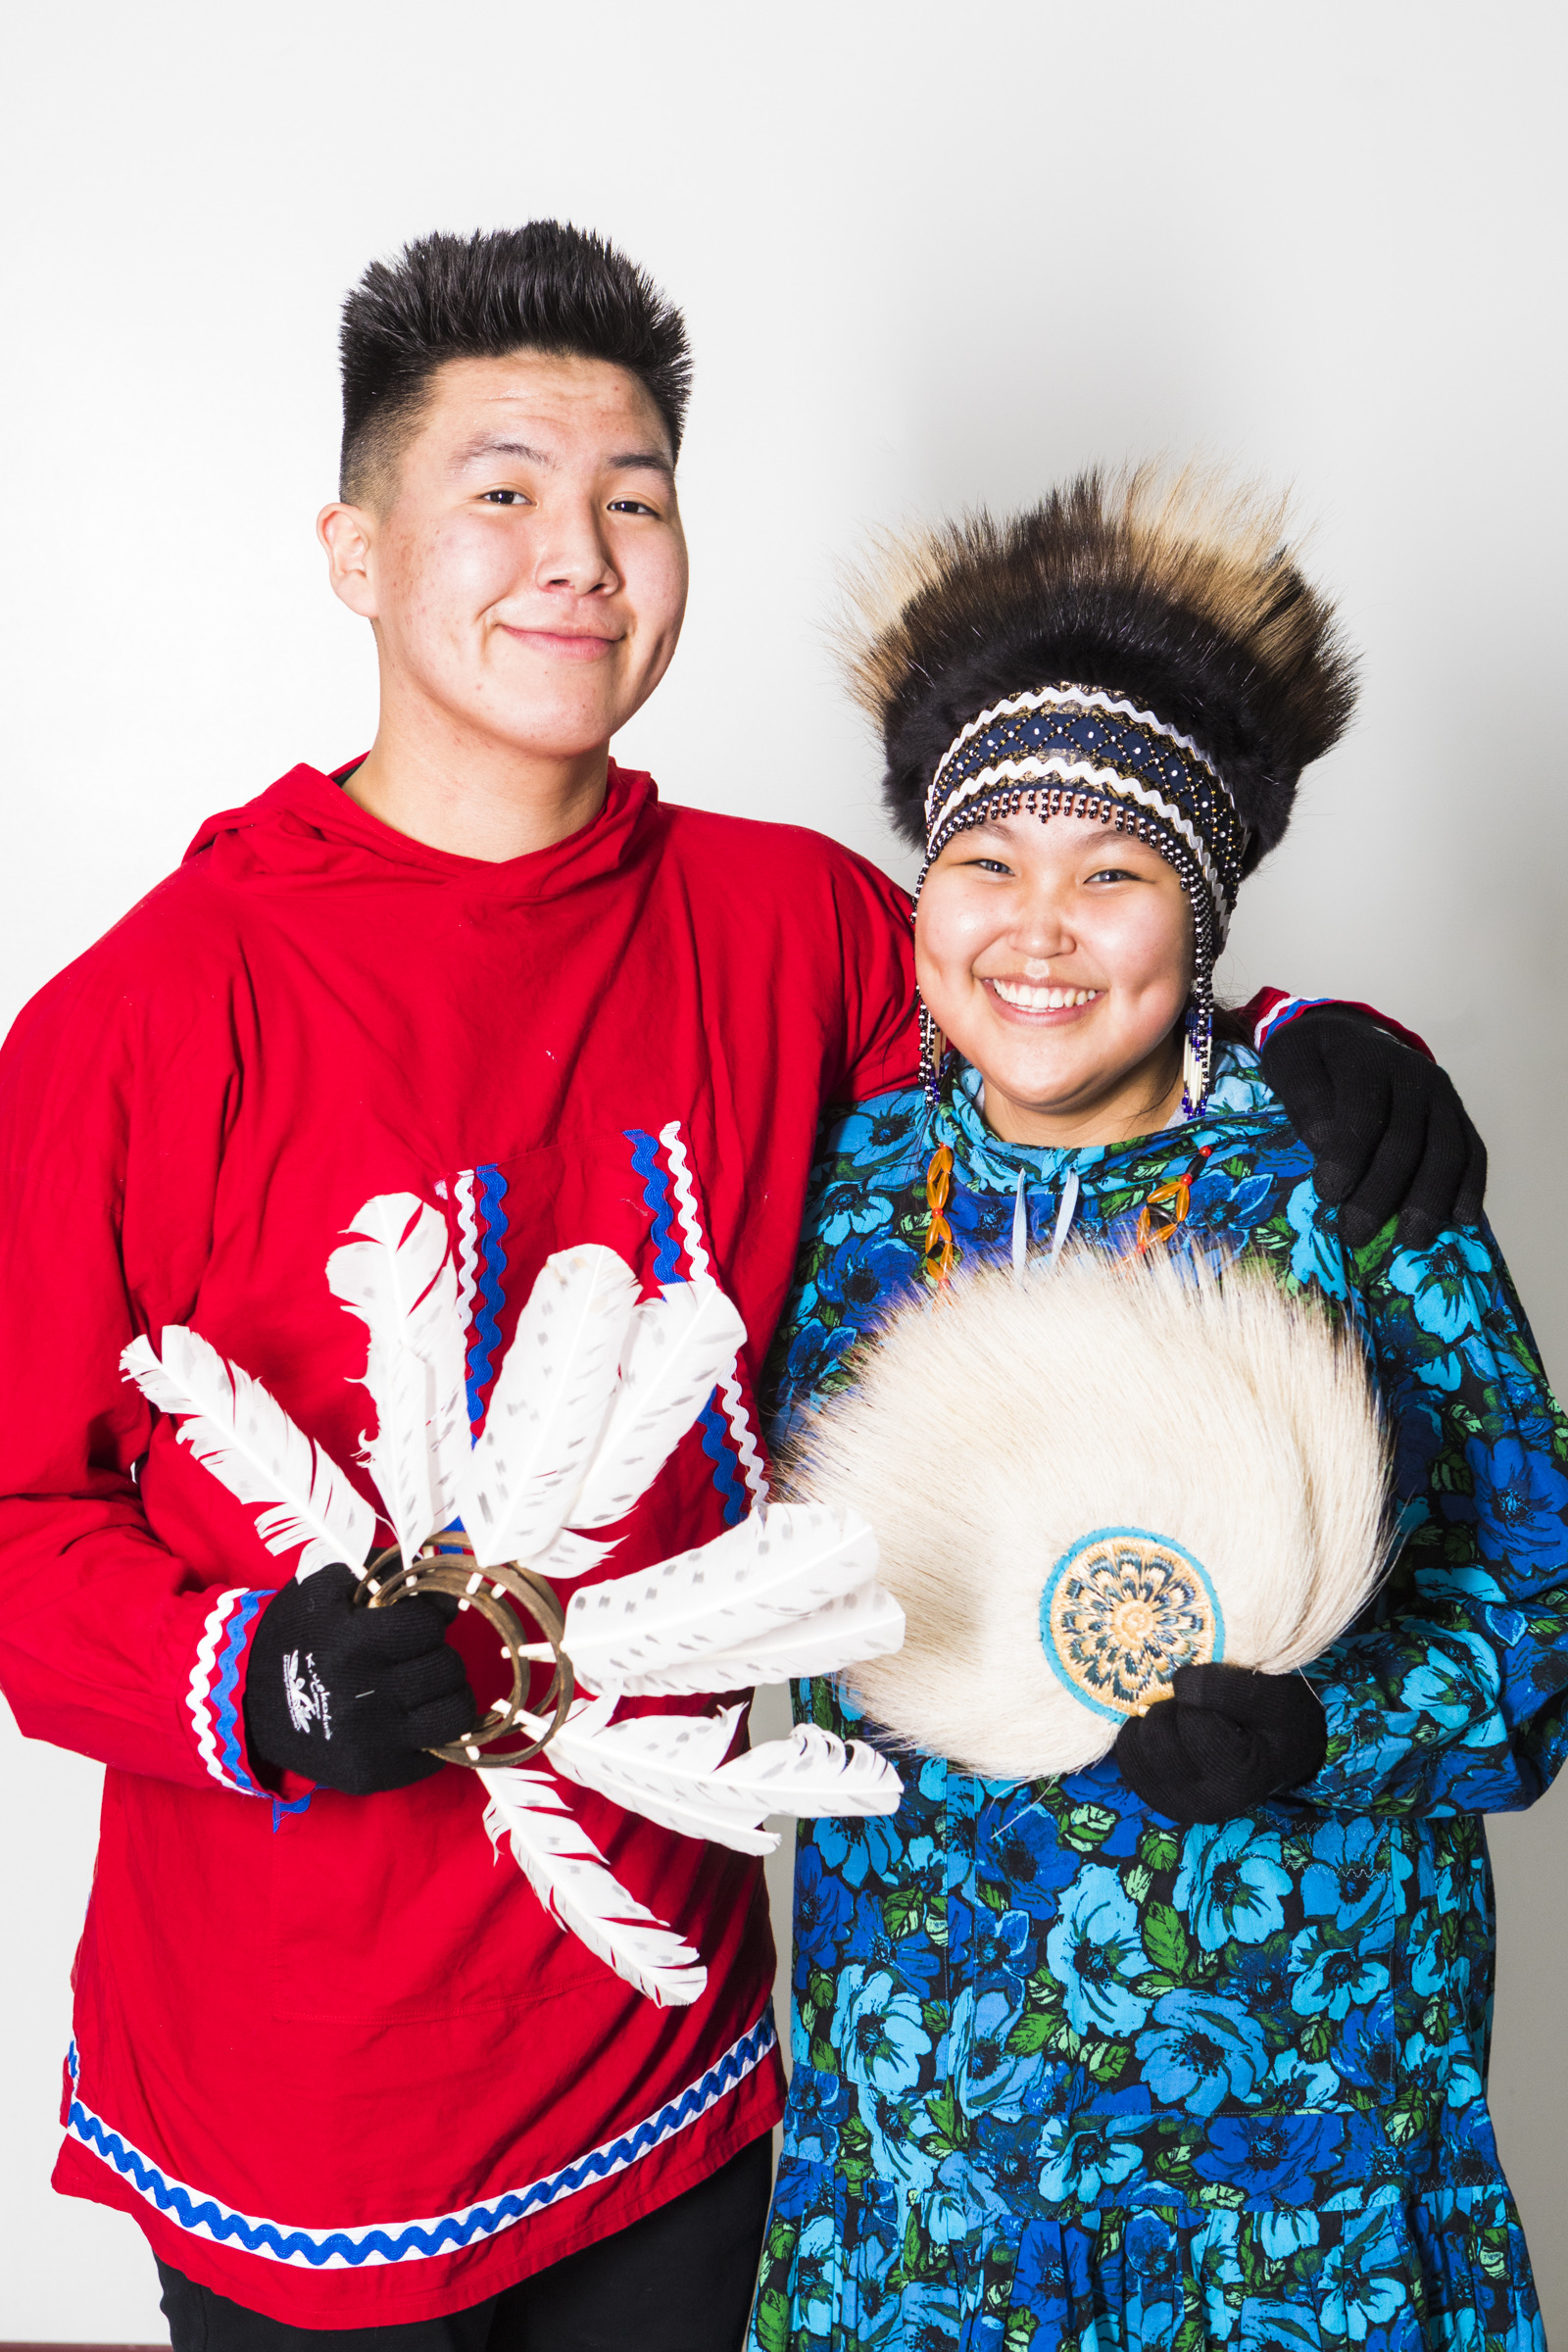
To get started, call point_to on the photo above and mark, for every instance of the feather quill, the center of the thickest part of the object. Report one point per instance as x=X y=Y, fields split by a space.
x=581 y=1893
x=858 y=1627
x=549 y=1407
x=239 y=1432
x=396 y=1274
x=678 y=1346
x=774 y=1566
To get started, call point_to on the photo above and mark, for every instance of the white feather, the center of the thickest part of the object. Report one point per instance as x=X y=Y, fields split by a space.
x=664 y=1767
x=581 y=1893
x=754 y=1578
x=1207 y=1407
x=241 y=1433
x=814 y=1773
x=679 y=1344
x=859 y=1626
x=548 y=1406
x=396 y=1274
x=570 y=1557
x=400 y=1456
x=672 y=1769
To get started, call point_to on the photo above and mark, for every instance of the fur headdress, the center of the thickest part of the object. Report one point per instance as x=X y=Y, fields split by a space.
x=1142 y=650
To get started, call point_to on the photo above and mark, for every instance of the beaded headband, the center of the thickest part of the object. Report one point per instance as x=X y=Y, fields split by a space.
x=1077 y=751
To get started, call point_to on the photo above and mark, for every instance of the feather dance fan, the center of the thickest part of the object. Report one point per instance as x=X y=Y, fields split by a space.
x=592 y=1397
x=1135 y=1464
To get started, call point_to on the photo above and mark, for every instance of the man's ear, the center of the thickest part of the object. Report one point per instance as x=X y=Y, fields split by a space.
x=348 y=534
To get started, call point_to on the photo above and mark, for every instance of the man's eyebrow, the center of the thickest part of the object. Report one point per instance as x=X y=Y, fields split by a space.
x=621 y=461
x=648 y=461
x=496 y=445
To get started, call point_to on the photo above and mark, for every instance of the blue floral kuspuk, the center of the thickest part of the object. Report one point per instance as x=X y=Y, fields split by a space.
x=1067 y=2074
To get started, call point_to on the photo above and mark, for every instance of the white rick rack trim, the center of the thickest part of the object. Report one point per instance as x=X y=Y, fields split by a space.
x=467 y=1244
x=216 y=1713
x=686 y=1216
x=199 y=1693
x=701 y=1264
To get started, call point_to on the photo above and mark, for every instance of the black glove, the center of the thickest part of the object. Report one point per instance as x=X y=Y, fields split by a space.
x=1224 y=1740
x=1386 y=1127
x=352 y=1696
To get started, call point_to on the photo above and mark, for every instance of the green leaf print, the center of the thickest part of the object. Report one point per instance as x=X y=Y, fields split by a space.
x=902 y=1907
x=855 y=2152
x=1165 y=1938
x=943 y=2109
x=1084 y=1827
x=1159 y=1850
x=1031 y=2033
x=773 y=2320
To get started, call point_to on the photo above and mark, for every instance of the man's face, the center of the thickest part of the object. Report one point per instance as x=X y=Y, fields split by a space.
x=527 y=574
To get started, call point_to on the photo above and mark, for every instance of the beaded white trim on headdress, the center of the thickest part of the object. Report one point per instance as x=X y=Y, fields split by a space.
x=1035 y=768
x=1082 y=698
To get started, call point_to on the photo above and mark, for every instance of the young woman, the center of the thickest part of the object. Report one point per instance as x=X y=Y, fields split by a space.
x=1188 y=2047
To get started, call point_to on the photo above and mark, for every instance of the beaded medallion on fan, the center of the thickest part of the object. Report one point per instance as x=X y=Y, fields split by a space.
x=1084 y=1478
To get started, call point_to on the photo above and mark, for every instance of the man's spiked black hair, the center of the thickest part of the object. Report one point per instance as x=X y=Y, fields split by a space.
x=545 y=288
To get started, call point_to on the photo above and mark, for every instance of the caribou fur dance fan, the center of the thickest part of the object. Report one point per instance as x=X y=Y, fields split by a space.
x=595 y=1393
x=1084 y=1478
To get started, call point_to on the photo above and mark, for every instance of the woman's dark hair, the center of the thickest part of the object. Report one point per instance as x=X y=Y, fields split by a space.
x=545 y=288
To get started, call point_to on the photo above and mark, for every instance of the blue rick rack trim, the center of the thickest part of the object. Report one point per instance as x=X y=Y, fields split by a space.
x=225 y=1709
x=716 y=1445
x=373 y=2243
x=718 y=1436
x=1289 y=1009
x=489 y=1191
x=656 y=1200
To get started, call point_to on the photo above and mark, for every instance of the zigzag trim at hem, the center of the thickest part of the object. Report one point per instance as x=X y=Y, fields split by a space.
x=369 y=2244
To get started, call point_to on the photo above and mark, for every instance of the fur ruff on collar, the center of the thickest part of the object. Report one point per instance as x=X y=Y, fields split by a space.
x=999 y=1423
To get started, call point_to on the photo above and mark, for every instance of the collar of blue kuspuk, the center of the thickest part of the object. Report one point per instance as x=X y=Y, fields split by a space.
x=1078 y=750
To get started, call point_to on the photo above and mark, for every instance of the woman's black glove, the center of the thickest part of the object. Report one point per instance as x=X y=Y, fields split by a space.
x=351 y=1697
x=1225 y=1739
x=1386 y=1127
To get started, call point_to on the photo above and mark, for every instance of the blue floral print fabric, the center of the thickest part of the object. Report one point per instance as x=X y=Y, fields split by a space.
x=1067 y=2074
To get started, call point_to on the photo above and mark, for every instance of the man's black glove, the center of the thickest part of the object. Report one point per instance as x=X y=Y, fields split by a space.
x=351 y=1696
x=1225 y=1739
x=1386 y=1127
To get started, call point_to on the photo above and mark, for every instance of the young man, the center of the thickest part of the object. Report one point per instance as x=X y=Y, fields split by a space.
x=342 y=2069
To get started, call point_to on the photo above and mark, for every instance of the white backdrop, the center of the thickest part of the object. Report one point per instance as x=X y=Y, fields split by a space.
x=930 y=255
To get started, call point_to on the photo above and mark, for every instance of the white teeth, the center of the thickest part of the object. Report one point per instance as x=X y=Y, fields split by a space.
x=1043 y=999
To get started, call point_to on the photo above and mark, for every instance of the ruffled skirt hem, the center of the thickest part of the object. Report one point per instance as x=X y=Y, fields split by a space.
x=858 y=2267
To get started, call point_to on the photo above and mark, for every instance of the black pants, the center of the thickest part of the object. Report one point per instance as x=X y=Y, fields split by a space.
x=678 y=2281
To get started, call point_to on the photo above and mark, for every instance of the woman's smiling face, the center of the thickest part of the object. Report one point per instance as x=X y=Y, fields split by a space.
x=1056 y=957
